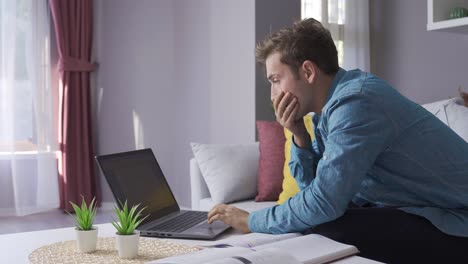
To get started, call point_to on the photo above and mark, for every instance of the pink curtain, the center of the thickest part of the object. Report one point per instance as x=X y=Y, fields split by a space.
x=73 y=22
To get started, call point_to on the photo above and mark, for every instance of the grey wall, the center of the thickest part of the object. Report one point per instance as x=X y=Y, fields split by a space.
x=270 y=16
x=171 y=73
x=135 y=47
x=425 y=66
x=232 y=71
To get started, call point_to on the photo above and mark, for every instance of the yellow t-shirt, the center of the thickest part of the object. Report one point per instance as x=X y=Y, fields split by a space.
x=290 y=187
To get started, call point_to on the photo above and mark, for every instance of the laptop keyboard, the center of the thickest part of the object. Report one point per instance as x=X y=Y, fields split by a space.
x=182 y=222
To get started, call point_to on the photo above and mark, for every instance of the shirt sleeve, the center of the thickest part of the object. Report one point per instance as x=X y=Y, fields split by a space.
x=302 y=164
x=358 y=131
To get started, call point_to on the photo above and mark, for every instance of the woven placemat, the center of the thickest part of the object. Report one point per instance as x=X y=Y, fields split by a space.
x=149 y=249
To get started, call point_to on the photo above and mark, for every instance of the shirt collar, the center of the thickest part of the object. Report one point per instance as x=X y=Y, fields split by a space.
x=339 y=75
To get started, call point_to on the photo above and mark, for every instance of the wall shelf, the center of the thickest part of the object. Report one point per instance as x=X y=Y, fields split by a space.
x=438 y=12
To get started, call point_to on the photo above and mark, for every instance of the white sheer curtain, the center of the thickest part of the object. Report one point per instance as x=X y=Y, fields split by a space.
x=348 y=22
x=28 y=167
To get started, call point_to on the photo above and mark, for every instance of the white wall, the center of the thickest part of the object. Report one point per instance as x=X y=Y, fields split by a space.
x=186 y=68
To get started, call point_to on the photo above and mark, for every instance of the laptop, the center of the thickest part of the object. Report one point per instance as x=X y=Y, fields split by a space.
x=136 y=177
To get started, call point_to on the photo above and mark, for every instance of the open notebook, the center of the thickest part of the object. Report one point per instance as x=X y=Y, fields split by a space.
x=265 y=248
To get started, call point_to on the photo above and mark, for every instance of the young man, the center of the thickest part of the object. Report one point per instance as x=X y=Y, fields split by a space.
x=383 y=173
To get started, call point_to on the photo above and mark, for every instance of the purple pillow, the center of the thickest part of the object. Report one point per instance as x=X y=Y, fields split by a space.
x=271 y=162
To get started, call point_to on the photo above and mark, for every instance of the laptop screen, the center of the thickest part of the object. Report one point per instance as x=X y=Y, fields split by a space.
x=136 y=176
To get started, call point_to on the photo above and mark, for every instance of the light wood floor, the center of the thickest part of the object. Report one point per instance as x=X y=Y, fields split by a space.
x=47 y=220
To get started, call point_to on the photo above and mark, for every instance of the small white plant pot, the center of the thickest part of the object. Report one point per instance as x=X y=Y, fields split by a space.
x=128 y=245
x=86 y=240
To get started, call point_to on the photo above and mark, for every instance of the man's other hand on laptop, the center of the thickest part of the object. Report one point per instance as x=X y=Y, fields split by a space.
x=230 y=215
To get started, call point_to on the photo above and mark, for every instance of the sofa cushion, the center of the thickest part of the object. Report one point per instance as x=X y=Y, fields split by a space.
x=229 y=170
x=270 y=174
x=290 y=187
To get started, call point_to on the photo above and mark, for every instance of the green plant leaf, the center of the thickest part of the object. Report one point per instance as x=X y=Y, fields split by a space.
x=128 y=219
x=84 y=214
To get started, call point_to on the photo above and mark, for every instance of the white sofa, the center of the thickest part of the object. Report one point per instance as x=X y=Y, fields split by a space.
x=451 y=112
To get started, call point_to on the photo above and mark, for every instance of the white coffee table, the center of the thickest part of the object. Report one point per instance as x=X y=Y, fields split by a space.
x=15 y=248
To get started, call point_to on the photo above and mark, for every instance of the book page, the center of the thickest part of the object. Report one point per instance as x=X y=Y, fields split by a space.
x=356 y=260
x=250 y=240
x=313 y=248
x=203 y=256
x=266 y=256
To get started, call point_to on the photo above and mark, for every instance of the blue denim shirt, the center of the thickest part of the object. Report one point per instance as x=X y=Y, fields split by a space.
x=373 y=145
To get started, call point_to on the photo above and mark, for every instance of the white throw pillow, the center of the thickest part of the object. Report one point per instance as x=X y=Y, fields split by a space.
x=437 y=109
x=453 y=113
x=457 y=117
x=230 y=171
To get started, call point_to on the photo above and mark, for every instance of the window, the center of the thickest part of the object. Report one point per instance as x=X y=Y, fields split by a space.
x=25 y=98
x=331 y=13
x=27 y=138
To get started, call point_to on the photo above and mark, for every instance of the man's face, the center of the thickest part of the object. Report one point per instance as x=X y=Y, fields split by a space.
x=282 y=79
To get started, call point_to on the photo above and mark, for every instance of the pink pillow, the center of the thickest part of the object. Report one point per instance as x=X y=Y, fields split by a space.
x=271 y=162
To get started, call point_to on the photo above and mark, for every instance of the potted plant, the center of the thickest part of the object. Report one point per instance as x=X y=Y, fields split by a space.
x=86 y=233
x=127 y=237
